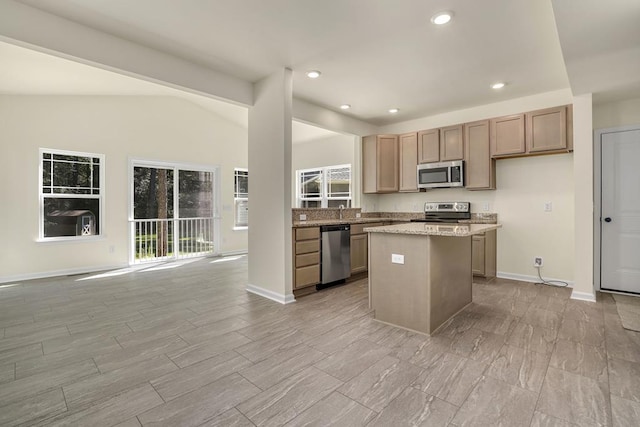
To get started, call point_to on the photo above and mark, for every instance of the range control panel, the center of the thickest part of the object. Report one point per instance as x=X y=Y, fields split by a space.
x=446 y=207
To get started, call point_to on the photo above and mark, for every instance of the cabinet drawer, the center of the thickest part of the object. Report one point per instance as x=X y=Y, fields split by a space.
x=307 y=276
x=307 y=246
x=307 y=259
x=307 y=233
x=358 y=228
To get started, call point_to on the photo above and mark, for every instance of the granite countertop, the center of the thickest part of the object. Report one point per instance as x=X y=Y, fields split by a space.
x=435 y=229
x=318 y=222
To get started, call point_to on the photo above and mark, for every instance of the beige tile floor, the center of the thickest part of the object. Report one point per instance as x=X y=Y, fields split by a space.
x=186 y=345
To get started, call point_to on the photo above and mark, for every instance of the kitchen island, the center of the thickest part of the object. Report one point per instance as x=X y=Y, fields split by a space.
x=420 y=273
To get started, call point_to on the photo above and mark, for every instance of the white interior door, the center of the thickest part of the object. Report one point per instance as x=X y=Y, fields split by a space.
x=620 y=211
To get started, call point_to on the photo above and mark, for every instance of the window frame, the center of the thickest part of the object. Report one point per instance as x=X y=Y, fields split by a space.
x=237 y=199
x=324 y=188
x=42 y=196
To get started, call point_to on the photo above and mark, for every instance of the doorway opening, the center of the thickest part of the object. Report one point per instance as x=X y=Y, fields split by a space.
x=173 y=211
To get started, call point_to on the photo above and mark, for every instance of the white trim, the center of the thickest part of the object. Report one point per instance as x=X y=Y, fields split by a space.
x=57 y=273
x=527 y=278
x=583 y=296
x=274 y=296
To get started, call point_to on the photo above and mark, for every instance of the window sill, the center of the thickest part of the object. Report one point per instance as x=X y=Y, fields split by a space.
x=240 y=228
x=86 y=239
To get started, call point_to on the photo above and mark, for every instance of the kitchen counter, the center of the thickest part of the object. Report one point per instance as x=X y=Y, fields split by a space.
x=435 y=229
x=420 y=273
x=319 y=222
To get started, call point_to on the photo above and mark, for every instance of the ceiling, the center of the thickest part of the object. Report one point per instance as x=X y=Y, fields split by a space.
x=378 y=54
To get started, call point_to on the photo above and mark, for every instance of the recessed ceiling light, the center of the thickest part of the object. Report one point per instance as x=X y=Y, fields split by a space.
x=345 y=106
x=442 y=18
x=393 y=110
x=313 y=74
x=497 y=85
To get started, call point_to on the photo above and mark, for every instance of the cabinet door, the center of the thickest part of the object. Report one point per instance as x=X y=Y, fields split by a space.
x=359 y=253
x=369 y=164
x=451 y=143
x=408 y=146
x=429 y=146
x=507 y=135
x=479 y=166
x=387 y=161
x=307 y=276
x=477 y=255
x=547 y=129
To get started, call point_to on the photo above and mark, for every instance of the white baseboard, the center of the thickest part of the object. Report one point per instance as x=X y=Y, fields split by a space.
x=527 y=278
x=274 y=296
x=56 y=273
x=583 y=296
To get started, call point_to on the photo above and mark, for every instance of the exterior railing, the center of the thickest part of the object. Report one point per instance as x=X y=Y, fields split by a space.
x=159 y=239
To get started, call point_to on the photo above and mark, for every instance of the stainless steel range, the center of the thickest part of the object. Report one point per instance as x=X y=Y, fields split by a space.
x=445 y=212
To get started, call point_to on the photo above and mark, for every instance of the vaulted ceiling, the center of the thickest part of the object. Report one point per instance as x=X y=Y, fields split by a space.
x=378 y=54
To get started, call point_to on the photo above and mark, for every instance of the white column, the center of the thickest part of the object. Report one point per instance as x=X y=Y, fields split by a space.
x=270 y=273
x=583 y=287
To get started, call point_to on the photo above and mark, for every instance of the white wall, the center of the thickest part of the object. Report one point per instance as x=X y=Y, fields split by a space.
x=614 y=114
x=154 y=128
x=523 y=186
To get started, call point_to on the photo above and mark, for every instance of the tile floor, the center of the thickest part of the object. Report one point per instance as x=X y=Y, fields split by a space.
x=185 y=345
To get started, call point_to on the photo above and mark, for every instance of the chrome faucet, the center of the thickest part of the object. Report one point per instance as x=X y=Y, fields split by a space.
x=341 y=207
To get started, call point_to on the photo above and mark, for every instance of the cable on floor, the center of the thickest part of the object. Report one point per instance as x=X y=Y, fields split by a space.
x=555 y=283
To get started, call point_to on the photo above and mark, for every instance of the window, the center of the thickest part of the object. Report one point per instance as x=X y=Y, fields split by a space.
x=327 y=187
x=70 y=194
x=241 y=197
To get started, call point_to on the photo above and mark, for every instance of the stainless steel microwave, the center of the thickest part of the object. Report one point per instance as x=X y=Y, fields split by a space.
x=440 y=175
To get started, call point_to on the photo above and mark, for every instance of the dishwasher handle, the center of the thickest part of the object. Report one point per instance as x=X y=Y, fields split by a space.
x=338 y=227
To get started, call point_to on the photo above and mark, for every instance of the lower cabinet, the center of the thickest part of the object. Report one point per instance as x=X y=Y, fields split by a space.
x=360 y=247
x=359 y=253
x=483 y=259
x=306 y=262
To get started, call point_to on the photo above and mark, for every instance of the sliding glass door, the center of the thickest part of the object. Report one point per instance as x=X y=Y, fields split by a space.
x=174 y=212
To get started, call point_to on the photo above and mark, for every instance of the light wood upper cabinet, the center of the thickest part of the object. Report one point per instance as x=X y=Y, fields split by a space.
x=451 y=143
x=408 y=145
x=380 y=164
x=429 y=146
x=480 y=168
x=547 y=129
x=507 y=135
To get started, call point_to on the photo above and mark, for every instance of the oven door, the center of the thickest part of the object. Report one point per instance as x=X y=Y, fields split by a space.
x=433 y=176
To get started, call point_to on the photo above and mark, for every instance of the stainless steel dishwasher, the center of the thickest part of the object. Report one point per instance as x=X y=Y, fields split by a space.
x=336 y=253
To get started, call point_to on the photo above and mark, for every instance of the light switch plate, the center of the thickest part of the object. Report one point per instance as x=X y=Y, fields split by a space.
x=303 y=217
x=548 y=206
x=397 y=259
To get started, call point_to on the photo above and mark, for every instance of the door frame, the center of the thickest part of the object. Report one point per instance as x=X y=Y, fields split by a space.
x=597 y=200
x=175 y=166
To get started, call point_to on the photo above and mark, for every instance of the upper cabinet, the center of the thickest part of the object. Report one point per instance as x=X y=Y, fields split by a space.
x=547 y=130
x=380 y=164
x=441 y=145
x=429 y=146
x=451 y=143
x=536 y=132
x=507 y=135
x=408 y=146
x=480 y=168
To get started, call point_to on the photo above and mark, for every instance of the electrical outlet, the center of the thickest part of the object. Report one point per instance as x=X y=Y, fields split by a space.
x=537 y=261
x=485 y=207
x=303 y=217
x=397 y=259
x=112 y=249
x=358 y=215
x=548 y=206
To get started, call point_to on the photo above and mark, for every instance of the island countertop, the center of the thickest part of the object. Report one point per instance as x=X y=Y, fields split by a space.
x=434 y=229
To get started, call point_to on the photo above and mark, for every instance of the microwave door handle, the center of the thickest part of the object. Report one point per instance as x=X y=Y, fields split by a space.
x=449 y=174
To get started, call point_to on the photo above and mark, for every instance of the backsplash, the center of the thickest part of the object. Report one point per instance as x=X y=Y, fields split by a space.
x=316 y=214
x=324 y=213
